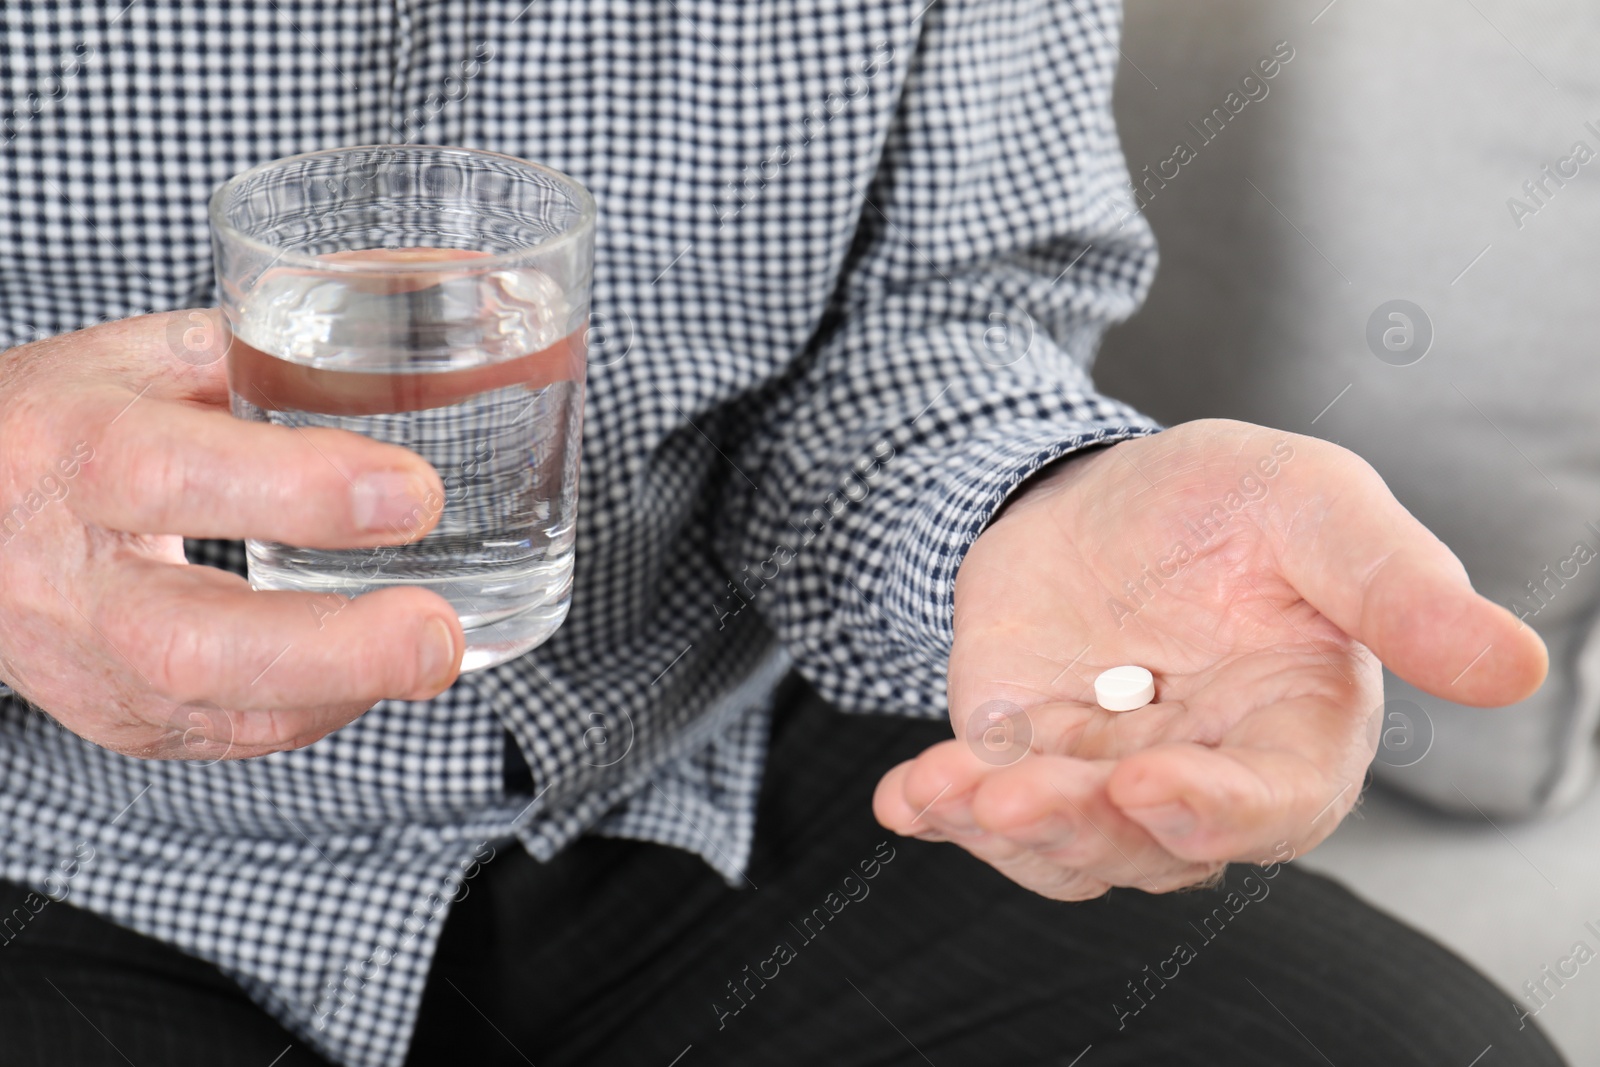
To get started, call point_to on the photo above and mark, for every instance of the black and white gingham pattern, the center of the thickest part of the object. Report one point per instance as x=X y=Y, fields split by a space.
x=853 y=259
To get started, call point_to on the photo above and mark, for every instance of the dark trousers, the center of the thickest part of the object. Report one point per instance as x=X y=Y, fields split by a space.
x=851 y=948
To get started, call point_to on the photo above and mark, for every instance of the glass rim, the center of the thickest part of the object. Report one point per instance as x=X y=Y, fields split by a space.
x=308 y=261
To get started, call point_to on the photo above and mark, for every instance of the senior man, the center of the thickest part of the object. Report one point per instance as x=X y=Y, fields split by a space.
x=847 y=487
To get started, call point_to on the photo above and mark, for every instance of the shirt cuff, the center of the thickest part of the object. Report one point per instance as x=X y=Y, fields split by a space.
x=957 y=502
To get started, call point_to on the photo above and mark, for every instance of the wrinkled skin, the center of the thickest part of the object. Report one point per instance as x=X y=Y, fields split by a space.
x=115 y=443
x=1265 y=637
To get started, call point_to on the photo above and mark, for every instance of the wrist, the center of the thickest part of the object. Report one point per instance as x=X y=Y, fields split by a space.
x=1055 y=476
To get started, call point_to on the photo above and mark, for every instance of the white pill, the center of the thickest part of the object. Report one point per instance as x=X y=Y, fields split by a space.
x=1125 y=688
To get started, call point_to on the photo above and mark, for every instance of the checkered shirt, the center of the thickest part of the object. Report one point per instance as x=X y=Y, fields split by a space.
x=853 y=260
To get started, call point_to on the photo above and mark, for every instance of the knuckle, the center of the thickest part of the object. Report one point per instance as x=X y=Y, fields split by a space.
x=172 y=657
x=998 y=851
x=269 y=730
x=1070 y=884
x=157 y=477
x=164 y=649
x=20 y=367
x=100 y=470
x=26 y=436
x=1194 y=878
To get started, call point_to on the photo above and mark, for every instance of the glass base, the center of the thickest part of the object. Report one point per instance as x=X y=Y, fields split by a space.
x=504 y=613
x=505 y=639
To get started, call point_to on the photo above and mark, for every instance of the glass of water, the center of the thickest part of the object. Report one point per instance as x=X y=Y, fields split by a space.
x=435 y=298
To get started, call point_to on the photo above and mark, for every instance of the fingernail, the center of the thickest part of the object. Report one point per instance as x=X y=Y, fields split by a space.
x=387 y=501
x=438 y=654
x=1168 y=820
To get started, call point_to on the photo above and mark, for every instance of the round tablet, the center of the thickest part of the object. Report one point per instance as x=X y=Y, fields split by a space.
x=1125 y=688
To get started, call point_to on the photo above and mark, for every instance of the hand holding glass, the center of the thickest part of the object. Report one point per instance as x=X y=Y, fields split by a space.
x=434 y=298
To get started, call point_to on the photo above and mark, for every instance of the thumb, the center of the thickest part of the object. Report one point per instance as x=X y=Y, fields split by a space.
x=1365 y=562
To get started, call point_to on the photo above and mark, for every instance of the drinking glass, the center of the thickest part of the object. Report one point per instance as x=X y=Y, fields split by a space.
x=435 y=298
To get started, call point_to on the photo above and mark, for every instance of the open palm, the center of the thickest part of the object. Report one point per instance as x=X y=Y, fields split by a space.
x=1261 y=576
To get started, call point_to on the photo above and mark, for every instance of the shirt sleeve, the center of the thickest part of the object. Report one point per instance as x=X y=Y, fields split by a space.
x=995 y=245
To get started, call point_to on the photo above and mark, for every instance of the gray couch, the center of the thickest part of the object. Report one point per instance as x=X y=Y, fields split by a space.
x=1400 y=155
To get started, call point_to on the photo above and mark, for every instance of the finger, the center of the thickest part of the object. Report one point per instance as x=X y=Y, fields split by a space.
x=1036 y=873
x=199 y=634
x=1043 y=822
x=1241 y=801
x=164 y=467
x=1048 y=810
x=940 y=777
x=168 y=354
x=1384 y=579
x=894 y=811
x=181 y=355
